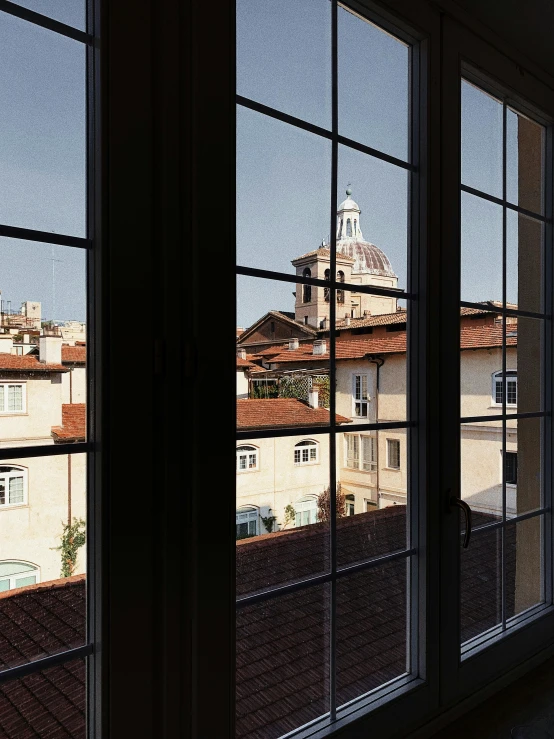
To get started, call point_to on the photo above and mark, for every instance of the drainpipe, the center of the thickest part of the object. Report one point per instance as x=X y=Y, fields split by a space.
x=69 y=489
x=379 y=362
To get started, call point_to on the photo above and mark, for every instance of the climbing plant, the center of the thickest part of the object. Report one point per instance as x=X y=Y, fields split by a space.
x=73 y=538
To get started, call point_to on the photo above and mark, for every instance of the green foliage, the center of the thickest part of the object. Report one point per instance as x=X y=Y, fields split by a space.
x=73 y=538
x=322 y=385
x=264 y=390
x=269 y=522
x=291 y=387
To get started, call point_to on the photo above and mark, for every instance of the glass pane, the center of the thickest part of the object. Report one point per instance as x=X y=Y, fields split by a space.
x=279 y=217
x=373 y=84
x=524 y=465
x=282 y=678
x=43 y=544
x=377 y=493
x=284 y=56
x=524 y=352
x=481 y=470
x=372 y=222
x=481 y=243
x=524 y=565
x=372 y=629
x=71 y=13
x=42 y=147
x=481 y=584
x=43 y=344
x=525 y=156
x=480 y=363
x=481 y=140
x=524 y=262
x=50 y=703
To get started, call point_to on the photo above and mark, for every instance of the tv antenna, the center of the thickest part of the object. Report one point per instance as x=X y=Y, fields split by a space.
x=54 y=260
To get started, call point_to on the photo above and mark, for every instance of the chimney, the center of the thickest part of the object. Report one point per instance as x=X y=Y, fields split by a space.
x=241 y=353
x=367 y=313
x=347 y=320
x=313 y=398
x=320 y=346
x=6 y=344
x=50 y=349
x=293 y=344
x=26 y=338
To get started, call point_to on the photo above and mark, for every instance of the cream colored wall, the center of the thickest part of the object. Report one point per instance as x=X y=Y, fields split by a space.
x=74 y=385
x=31 y=532
x=278 y=482
x=44 y=410
x=476 y=371
x=242 y=384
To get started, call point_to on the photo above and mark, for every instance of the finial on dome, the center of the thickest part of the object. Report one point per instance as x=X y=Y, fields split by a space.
x=349 y=189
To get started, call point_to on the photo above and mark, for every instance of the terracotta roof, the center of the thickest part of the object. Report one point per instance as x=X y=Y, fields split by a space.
x=283 y=643
x=254 y=413
x=74 y=354
x=244 y=363
x=38 y=621
x=27 y=363
x=282 y=316
x=383 y=319
x=481 y=337
x=73 y=423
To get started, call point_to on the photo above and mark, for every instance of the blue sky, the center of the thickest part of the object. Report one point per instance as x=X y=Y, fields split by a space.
x=42 y=159
x=283 y=173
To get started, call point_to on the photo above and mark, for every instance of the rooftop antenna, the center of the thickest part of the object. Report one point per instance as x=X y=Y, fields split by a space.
x=54 y=260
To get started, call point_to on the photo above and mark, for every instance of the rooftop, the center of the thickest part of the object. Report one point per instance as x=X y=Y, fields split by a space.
x=254 y=413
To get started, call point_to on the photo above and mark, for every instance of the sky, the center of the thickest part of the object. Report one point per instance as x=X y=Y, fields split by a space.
x=283 y=173
x=42 y=160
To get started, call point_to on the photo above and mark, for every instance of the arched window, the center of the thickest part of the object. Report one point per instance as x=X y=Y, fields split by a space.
x=355 y=227
x=305 y=452
x=326 y=289
x=13 y=486
x=307 y=289
x=306 y=511
x=14 y=574
x=246 y=520
x=511 y=388
x=340 y=293
x=340 y=229
x=348 y=228
x=247 y=458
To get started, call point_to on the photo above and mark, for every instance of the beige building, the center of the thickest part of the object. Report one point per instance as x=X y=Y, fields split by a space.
x=38 y=495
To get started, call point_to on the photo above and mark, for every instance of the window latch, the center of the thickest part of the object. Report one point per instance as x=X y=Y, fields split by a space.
x=454 y=501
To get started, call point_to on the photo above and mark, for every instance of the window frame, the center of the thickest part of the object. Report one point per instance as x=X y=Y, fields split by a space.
x=35 y=571
x=247 y=450
x=310 y=445
x=4 y=390
x=8 y=476
x=390 y=442
x=360 y=401
x=498 y=382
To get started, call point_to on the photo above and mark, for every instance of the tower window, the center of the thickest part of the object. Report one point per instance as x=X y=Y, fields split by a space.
x=326 y=289
x=348 y=228
x=340 y=278
x=307 y=289
x=355 y=227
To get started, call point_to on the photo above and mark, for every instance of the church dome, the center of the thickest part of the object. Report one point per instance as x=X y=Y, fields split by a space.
x=369 y=258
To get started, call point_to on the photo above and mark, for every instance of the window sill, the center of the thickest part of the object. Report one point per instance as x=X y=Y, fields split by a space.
x=392 y=469
x=13 y=507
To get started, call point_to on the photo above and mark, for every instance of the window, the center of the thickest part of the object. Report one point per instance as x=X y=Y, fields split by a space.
x=369 y=457
x=13 y=486
x=349 y=504
x=355 y=227
x=511 y=388
x=326 y=289
x=247 y=522
x=511 y=468
x=360 y=395
x=12 y=397
x=247 y=458
x=340 y=293
x=348 y=227
x=393 y=454
x=305 y=452
x=367 y=461
x=307 y=289
x=306 y=511
x=352 y=451
x=17 y=575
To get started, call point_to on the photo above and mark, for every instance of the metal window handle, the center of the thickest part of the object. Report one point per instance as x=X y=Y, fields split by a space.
x=467 y=514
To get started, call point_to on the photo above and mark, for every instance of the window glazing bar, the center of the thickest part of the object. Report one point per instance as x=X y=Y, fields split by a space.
x=508 y=416
x=28 y=234
x=42 y=20
x=312 y=430
x=299 y=279
x=510 y=521
x=47 y=450
x=308 y=582
x=323 y=132
x=502 y=201
x=38 y=665
x=503 y=311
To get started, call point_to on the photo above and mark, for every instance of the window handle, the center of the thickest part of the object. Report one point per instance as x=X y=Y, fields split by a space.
x=467 y=514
